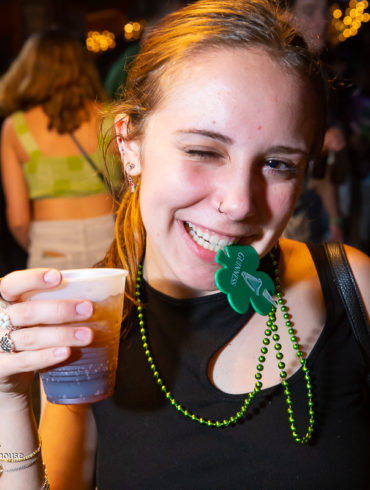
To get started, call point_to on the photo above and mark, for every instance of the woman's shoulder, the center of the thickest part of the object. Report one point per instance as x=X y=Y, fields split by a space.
x=296 y=253
x=11 y=126
x=299 y=266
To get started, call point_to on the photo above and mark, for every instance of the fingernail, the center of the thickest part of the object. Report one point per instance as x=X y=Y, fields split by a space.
x=52 y=277
x=82 y=334
x=60 y=352
x=84 y=308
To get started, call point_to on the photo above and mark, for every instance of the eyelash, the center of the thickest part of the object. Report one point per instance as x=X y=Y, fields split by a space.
x=202 y=154
x=290 y=168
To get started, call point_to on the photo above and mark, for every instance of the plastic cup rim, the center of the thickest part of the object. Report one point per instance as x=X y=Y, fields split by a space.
x=102 y=272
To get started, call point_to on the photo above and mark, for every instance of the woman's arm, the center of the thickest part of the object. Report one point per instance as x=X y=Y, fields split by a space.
x=41 y=339
x=18 y=434
x=18 y=210
x=69 y=446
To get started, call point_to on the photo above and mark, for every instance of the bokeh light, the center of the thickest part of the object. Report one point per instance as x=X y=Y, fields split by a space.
x=352 y=16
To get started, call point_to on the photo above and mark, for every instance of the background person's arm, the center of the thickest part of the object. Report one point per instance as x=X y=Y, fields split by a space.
x=18 y=211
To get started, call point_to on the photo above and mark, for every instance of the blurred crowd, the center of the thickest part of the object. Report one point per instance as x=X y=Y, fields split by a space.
x=56 y=205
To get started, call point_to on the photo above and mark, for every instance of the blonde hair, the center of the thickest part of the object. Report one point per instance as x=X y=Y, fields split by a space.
x=205 y=24
x=53 y=70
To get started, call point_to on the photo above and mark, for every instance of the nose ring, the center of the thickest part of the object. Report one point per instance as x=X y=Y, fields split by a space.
x=219 y=208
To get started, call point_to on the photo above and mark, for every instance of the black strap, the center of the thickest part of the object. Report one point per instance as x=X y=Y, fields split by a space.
x=342 y=277
x=88 y=159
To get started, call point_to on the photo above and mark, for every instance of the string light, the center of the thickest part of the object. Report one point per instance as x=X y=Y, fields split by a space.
x=347 y=22
x=133 y=30
x=98 y=42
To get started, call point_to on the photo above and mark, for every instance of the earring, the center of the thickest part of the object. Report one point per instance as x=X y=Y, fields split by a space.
x=219 y=208
x=120 y=147
x=131 y=166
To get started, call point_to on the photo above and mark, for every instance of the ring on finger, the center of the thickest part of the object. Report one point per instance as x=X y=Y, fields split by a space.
x=6 y=328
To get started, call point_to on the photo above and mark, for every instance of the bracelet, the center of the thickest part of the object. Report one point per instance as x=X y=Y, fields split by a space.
x=22 y=458
x=19 y=468
x=46 y=484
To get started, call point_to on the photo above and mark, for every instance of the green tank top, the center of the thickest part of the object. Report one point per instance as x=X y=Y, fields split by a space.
x=61 y=176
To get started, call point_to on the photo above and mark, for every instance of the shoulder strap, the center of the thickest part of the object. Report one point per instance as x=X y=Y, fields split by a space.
x=88 y=159
x=24 y=134
x=341 y=274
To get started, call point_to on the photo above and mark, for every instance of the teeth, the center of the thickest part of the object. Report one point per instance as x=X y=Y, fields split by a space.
x=208 y=240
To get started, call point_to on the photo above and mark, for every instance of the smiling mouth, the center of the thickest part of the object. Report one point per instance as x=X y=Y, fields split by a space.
x=208 y=239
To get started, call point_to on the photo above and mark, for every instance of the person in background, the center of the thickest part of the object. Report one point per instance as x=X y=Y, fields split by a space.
x=115 y=80
x=58 y=205
x=224 y=107
x=311 y=19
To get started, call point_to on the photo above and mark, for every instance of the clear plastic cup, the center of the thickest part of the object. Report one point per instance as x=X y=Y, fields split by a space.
x=89 y=374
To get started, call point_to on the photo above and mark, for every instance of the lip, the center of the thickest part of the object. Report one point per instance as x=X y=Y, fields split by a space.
x=221 y=235
x=202 y=253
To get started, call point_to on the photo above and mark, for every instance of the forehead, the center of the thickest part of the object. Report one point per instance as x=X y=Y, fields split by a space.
x=231 y=88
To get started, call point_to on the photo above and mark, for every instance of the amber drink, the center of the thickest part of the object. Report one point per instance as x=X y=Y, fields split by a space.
x=89 y=373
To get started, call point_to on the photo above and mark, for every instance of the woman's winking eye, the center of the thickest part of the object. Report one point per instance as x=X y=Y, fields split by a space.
x=202 y=154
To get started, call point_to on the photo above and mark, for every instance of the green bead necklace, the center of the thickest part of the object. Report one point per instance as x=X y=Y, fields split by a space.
x=270 y=333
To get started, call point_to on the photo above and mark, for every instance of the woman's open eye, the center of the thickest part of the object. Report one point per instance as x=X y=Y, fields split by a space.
x=274 y=165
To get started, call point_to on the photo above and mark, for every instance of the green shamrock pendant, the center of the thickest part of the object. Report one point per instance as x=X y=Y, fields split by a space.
x=240 y=280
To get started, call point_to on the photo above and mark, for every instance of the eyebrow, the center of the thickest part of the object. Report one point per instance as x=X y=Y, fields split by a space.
x=208 y=134
x=289 y=150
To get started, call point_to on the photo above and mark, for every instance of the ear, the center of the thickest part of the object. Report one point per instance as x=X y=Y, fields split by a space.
x=129 y=149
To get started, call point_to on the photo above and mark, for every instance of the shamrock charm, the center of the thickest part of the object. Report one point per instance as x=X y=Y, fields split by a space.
x=242 y=282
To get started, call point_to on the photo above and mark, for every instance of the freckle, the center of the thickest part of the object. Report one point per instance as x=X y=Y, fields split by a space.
x=259 y=128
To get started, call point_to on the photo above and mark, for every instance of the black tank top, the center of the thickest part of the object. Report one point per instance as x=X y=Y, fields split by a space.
x=144 y=443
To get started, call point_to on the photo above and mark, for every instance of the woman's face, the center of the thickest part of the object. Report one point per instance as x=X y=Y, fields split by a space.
x=233 y=132
x=311 y=17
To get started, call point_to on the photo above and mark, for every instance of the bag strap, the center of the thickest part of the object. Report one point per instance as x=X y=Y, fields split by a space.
x=341 y=274
x=88 y=159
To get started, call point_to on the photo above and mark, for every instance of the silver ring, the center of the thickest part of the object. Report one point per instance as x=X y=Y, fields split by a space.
x=219 y=208
x=6 y=328
x=6 y=342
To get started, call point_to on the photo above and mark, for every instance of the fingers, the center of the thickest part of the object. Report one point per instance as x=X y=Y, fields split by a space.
x=36 y=338
x=49 y=312
x=28 y=361
x=42 y=347
x=17 y=283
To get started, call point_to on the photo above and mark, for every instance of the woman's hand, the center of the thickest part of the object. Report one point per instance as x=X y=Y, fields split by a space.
x=38 y=334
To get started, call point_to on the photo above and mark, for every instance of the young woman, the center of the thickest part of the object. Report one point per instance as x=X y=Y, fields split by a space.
x=223 y=109
x=58 y=206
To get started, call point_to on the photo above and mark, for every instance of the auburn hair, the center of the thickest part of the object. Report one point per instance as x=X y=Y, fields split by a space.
x=200 y=26
x=55 y=71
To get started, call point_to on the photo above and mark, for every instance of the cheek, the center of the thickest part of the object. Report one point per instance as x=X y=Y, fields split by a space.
x=177 y=185
x=282 y=199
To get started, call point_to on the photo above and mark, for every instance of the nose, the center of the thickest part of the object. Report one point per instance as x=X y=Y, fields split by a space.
x=238 y=194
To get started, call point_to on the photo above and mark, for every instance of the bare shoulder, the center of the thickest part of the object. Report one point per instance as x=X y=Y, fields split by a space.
x=297 y=261
x=9 y=139
x=299 y=272
x=7 y=128
x=360 y=266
